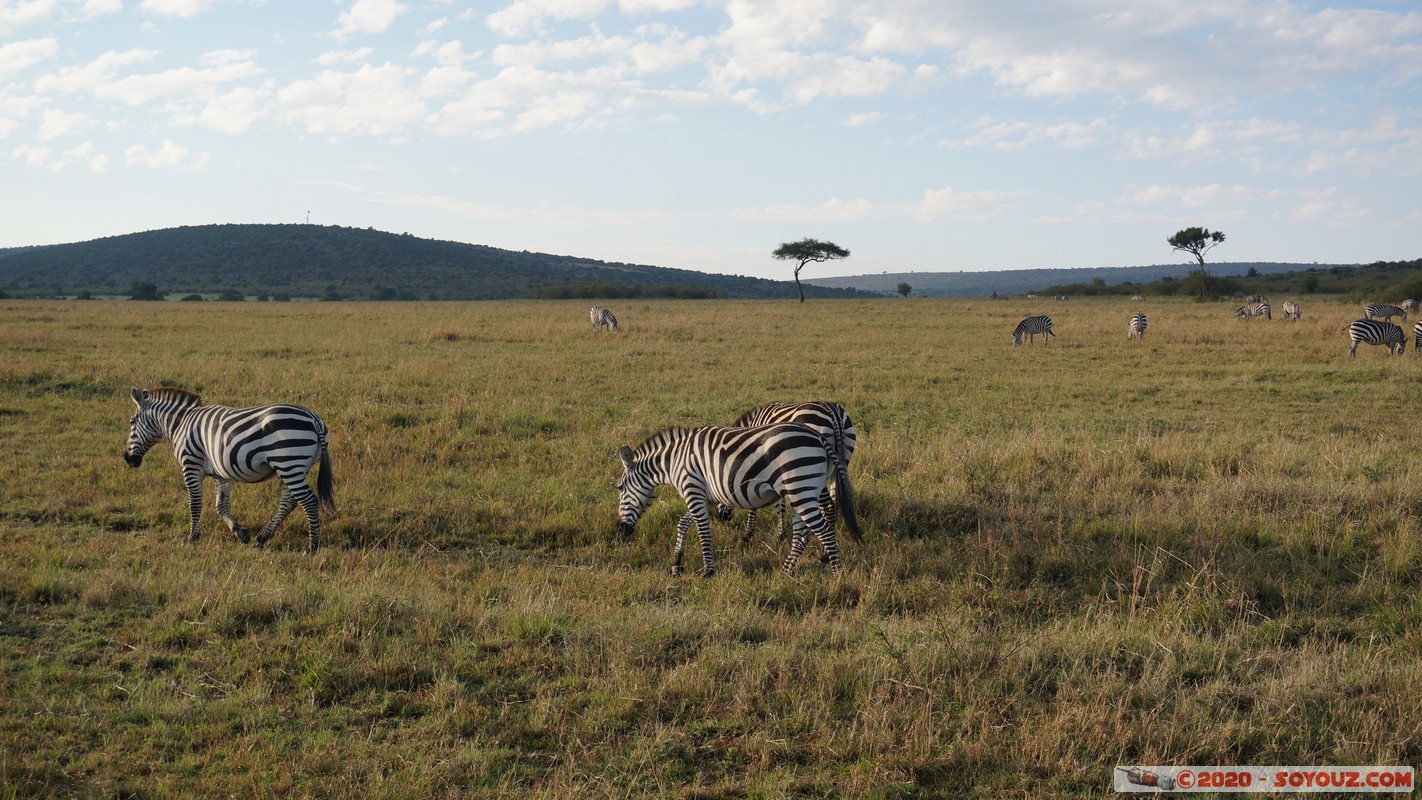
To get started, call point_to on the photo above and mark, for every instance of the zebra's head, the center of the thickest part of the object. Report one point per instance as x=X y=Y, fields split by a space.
x=635 y=491
x=143 y=429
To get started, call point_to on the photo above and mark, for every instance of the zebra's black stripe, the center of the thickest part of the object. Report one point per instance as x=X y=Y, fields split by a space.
x=1031 y=326
x=827 y=418
x=237 y=445
x=1374 y=331
x=738 y=467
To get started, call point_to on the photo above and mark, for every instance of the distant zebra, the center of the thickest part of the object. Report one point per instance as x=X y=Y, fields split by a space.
x=602 y=318
x=1138 y=327
x=1250 y=310
x=1411 y=306
x=237 y=445
x=1291 y=310
x=740 y=467
x=1040 y=323
x=1374 y=331
x=830 y=421
x=1383 y=311
x=1137 y=298
x=1256 y=298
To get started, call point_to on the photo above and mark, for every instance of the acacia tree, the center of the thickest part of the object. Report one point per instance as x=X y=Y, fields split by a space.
x=1197 y=242
x=805 y=251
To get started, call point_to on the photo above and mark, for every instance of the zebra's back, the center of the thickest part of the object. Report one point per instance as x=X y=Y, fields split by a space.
x=827 y=418
x=1138 y=326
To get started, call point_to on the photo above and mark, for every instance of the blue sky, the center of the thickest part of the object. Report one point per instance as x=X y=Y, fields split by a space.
x=922 y=135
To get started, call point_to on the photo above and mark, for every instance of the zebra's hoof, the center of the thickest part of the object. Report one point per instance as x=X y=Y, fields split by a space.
x=708 y=572
x=676 y=570
x=243 y=535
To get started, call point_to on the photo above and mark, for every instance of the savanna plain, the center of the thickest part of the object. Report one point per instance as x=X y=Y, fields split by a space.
x=1200 y=548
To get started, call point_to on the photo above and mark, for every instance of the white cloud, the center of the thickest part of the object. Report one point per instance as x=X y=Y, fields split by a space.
x=947 y=204
x=236 y=111
x=167 y=156
x=373 y=101
x=330 y=57
x=523 y=17
x=17 y=56
x=860 y=120
x=55 y=123
x=98 y=8
x=174 y=8
x=368 y=16
x=17 y=14
x=31 y=155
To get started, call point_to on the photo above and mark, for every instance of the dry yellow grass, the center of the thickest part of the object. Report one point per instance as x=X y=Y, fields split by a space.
x=1199 y=548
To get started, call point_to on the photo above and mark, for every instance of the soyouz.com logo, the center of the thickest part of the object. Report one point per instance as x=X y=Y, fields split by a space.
x=1263 y=779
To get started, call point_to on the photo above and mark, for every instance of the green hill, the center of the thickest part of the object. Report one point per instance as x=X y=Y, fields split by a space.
x=312 y=261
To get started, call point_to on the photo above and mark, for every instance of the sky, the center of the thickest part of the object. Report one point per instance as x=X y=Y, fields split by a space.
x=921 y=135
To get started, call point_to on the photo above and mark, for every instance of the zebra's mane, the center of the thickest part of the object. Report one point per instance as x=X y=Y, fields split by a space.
x=173 y=394
x=745 y=417
x=668 y=434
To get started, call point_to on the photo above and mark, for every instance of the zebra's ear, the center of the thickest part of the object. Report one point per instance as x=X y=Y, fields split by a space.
x=626 y=454
x=139 y=395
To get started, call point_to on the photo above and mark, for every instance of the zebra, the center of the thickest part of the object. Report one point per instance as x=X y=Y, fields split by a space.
x=1417 y=331
x=1251 y=310
x=1411 y=305
x=602 y=318
x=827 y=418
x=1040 y=323
x=1256 y=298
x=1138 y=327
x=1137 y=298
x=1384 y=311
x=1291 y=310
x=236 y=445
x=740 y=467
x=1376 y=332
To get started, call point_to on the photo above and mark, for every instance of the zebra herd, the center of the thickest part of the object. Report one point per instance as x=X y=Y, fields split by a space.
x=794 y=454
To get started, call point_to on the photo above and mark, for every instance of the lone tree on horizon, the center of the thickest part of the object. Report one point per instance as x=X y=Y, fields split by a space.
x=805 y=251
x=1197 y=242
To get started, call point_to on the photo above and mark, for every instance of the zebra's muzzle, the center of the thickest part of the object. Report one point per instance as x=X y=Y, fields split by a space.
x=133 y=459
x=625 y=528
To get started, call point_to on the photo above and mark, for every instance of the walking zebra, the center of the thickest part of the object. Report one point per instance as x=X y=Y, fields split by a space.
x=1291 y=310
x=1383 y=311
x=826 y=418
x=236 y=445
x=1138 y=327
x=739 y=467
x=602 y=318
x=1251 y=310
x=1374 y=331
x=1040 y=323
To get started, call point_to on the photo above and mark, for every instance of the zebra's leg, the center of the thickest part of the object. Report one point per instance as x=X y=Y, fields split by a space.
x=224 y=510
x=288 y=502
x=703 y=531
x=192 y=479
x=680 y=547
x=750 y=527
x=808 y=511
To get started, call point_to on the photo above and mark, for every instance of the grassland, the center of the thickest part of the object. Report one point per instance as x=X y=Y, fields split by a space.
x=1199 y=549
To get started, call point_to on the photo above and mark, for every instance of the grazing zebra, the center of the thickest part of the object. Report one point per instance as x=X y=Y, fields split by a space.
x=1376 y=332
x=830 y=421
x=236 y=445
x=1040 y=323
x=602 y=318
x=1291 y=310
x=1383 y=311
x=1137 y=298
x=1256 y=298
x=1251 y=310
x=739 y=467
x=1138 y=327
x=1411 y=305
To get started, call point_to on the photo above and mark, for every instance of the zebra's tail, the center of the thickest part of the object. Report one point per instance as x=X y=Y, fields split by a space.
x=843 y=491
x=324 y=489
